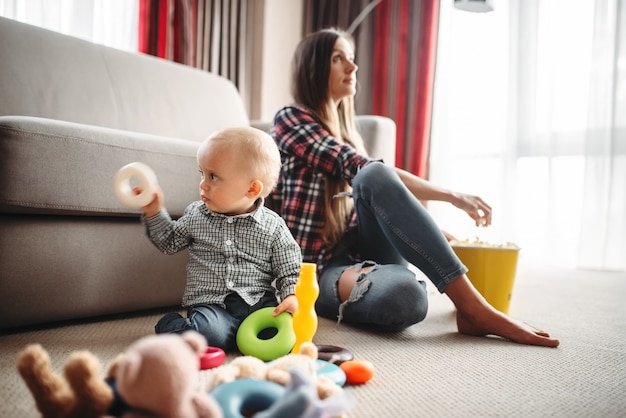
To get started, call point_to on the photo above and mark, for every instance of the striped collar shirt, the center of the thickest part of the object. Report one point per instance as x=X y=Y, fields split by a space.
x=242 y=253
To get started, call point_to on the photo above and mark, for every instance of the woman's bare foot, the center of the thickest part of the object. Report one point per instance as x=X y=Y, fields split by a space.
x=499 y=324
x=476 y=317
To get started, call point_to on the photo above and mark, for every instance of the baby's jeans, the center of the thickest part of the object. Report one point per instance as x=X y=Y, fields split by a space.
x=218 y=325
x=394 y=229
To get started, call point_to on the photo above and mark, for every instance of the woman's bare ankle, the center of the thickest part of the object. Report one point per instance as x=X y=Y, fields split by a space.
x=476 y=317
x=503 y=326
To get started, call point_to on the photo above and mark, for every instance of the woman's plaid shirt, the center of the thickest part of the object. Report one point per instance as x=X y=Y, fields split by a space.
x=309 y=152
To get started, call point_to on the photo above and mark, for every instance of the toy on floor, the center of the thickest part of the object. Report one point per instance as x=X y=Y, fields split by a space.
x=301 y=400
x=246 y=397
x=330 y=371
x=276 y=371
x=305 y=318
x=334 y=354
x=155 y=377
x=250 y=344
x=291 y=331
x=81 y=394
x=212 y=357
x=158 y=375
x=286 y=387
x=267 y=399
x=357 y=371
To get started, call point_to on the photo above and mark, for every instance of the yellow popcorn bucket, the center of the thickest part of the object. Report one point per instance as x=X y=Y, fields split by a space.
x=492 y=271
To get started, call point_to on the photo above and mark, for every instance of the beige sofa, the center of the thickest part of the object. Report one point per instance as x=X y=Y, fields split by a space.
x=71 y=114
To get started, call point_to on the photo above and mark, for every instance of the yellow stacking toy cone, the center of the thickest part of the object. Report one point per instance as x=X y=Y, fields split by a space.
x=492 y=270
x=305 y=317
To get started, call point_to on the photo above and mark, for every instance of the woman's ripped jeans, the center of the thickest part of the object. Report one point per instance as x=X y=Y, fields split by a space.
x=394 y=230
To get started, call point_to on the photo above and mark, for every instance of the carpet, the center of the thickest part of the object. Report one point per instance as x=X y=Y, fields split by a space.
x=429 y=370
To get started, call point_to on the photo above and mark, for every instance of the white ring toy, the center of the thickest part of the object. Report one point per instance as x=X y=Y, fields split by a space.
x=146 y=179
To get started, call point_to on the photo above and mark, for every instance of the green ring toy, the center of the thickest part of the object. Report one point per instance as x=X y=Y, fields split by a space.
x=250 y=344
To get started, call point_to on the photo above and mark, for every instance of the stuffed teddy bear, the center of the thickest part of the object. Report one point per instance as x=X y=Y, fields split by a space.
x=156 y=377
x=82 y=394
x=276 y=371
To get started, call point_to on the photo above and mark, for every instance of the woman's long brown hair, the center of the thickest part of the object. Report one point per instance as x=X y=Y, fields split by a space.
x=310 y=88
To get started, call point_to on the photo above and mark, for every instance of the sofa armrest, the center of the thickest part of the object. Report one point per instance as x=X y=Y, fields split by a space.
x=379 y=136
x=264 y=125
x=55 y=167
x=378 y=132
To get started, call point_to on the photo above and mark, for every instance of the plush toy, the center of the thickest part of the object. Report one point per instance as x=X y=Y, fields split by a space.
x=156 y=377
x=301 y=400
x=82 y=394
x=276 y=371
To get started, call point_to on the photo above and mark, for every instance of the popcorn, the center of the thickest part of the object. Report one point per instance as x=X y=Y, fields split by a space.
x=484 y=244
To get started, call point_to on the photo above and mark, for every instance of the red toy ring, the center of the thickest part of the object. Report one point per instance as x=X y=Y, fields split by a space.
x=212 y=357
x=333 y=354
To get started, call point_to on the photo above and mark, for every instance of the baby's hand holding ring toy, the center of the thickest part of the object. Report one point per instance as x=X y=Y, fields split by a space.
x=145 y=179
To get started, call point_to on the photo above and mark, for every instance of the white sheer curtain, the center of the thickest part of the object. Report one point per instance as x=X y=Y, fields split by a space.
x=530 y=114
x=107 y=22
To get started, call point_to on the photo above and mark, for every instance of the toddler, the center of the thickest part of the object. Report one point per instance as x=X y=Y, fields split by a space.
x=237 y=246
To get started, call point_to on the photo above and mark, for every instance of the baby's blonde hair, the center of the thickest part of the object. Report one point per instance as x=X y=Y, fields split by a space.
x=258 y=148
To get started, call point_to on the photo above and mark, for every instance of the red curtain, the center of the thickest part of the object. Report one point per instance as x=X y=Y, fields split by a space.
x=403 y=77
x=206 y=34
x=168 y=28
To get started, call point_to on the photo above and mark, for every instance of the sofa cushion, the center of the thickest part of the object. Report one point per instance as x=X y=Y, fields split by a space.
x=50 y=75
x=54 y=167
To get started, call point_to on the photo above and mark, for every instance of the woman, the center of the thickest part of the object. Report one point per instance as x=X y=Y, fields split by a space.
x=362 y=244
